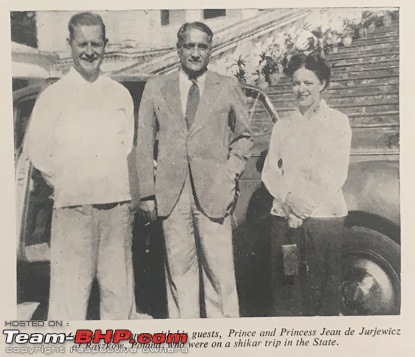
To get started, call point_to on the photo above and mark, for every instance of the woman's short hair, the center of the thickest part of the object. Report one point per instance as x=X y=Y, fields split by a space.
x=193 y=25
x=313 y=62
x=85 y=19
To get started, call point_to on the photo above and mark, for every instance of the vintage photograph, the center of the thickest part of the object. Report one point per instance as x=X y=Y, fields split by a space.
x=207 y=163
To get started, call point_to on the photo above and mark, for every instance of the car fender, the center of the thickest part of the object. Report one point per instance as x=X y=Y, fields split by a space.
x=372 y=196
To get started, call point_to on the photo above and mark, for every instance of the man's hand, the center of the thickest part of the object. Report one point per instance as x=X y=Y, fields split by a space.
x=299 y=207
x=294 y=222
x=149 y=209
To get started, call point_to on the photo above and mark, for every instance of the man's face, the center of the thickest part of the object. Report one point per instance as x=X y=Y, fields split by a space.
x=194 y=52
x=88 y=45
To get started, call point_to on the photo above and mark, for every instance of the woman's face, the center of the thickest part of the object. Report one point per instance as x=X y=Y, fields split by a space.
x=306 y=88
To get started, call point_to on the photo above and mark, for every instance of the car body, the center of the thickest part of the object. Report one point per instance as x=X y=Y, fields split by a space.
x=371 y=252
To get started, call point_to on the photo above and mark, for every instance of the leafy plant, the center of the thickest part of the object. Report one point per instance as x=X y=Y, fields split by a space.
x=268 y=65
x=319 y=34
x=240 y=72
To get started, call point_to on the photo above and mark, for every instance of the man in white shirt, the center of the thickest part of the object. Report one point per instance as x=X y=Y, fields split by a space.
x=204 y=139
x=80 y=134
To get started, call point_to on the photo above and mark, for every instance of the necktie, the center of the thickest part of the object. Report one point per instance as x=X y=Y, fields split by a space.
x=193 y=98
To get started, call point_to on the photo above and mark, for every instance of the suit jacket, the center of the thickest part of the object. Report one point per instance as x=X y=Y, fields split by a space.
x=214 y=149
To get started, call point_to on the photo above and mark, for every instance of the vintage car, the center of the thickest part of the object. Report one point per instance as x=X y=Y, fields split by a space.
x=371 y=252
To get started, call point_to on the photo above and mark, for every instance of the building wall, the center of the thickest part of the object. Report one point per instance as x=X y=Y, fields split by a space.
x=139 y=28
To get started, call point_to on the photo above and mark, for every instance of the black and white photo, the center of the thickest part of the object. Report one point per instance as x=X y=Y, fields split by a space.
x=234 y=175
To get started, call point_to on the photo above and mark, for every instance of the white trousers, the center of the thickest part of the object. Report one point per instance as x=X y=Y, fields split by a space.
x=199 y=255
x=88 y=242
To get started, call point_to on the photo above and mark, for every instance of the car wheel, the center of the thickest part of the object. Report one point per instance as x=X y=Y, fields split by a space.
x=370 y=283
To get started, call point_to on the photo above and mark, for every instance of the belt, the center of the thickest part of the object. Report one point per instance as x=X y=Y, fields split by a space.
x=107 y=206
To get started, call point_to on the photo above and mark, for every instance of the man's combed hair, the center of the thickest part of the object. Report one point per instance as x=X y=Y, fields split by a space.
x=85 y=19
x=313 y=62
x=193 y=25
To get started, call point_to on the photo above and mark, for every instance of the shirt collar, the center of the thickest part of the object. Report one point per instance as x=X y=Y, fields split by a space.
x=314 y=109
x=76 y=77
x=200 y=80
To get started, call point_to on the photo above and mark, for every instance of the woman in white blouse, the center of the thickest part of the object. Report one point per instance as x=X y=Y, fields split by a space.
x=304 y=171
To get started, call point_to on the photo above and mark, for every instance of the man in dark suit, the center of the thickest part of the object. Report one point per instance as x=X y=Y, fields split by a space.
x=204 y=138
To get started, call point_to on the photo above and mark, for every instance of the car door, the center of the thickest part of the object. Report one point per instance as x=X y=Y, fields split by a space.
x=33 y=196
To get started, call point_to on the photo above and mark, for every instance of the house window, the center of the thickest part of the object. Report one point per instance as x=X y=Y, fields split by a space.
x=212 y=13
x=165 y=17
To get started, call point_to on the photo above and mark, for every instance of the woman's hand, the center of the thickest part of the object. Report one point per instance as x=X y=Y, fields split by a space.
x=294 y=222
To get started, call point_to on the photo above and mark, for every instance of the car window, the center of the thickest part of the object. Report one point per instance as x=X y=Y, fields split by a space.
x=260 y=115
x=23 y=110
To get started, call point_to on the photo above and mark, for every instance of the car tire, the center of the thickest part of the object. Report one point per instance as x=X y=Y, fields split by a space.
x=370 y=283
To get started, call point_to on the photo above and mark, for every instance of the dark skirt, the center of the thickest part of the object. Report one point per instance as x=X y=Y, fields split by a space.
x=315 y=289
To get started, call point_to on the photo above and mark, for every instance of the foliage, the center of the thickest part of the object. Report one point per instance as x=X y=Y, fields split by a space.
x=240 y=72
x=321 y=32
x=377 y=18
x=271 y=56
